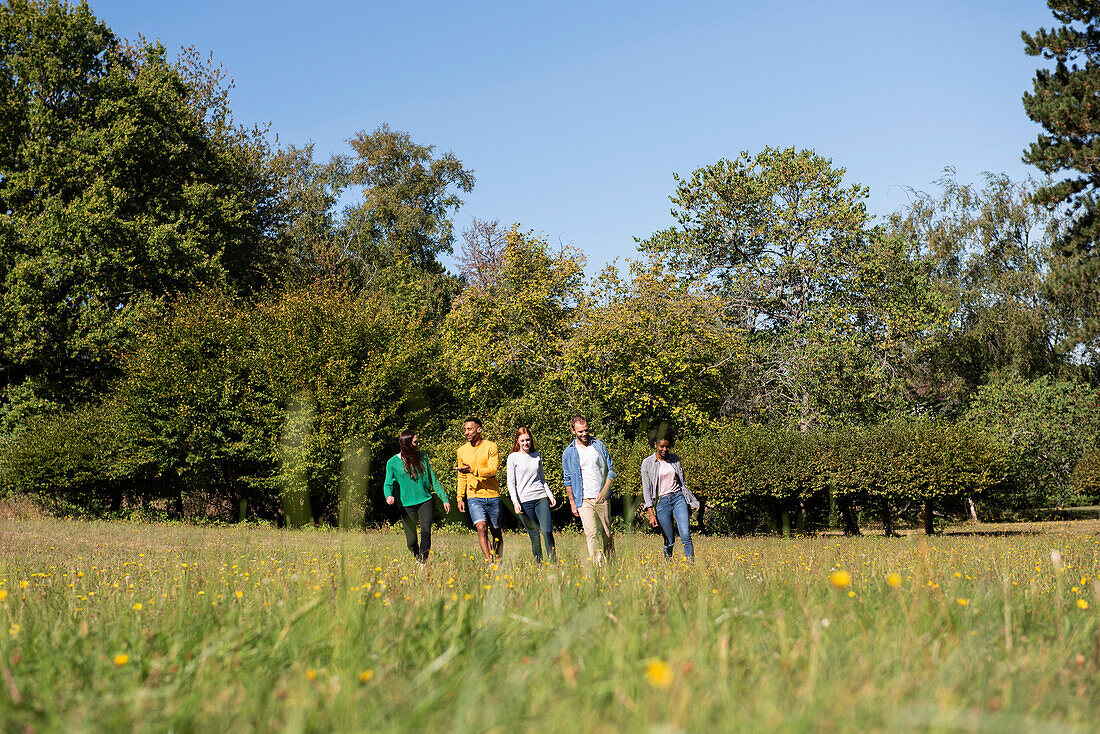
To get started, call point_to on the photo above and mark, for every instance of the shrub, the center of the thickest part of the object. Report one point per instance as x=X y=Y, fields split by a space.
x=1085 y=481
x=1044 y=427
x=65 y=461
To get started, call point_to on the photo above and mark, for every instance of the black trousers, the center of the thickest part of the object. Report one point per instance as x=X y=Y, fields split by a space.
x=421 y=514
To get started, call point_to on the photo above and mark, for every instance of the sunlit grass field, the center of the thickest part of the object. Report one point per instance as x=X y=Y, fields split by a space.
x=115 y=626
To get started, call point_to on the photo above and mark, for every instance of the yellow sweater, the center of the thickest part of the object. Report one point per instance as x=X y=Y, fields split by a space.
x=482 y=481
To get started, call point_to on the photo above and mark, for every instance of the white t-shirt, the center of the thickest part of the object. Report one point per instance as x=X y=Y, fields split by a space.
x=592 y=474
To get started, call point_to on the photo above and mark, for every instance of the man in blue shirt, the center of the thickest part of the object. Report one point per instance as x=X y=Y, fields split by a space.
x=589 y=472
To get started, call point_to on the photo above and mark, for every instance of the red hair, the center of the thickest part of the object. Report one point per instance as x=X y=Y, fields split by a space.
x=519 y=432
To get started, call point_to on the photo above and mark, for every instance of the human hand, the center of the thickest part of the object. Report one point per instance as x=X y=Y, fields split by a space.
x=553 y=502
x=518 y=509
x=461 y=506
x=389 y=500
x=573 y=507
x=447 y=507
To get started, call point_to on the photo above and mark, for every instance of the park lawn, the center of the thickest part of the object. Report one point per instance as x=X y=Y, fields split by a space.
x=117 y=626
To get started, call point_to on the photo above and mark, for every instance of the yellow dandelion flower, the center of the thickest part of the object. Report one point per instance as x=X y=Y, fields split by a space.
x=3 y=594
x=24 y=584
x=365 y=676
x=893 y=580
x=121 y=659
x=239 y=593
x=840 y=579
x=311 y=674
x=137 y=606
x=962 y=602
x=1082 y=604
x=658 y=673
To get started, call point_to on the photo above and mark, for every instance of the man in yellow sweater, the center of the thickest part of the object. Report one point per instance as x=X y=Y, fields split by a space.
x=477 y=481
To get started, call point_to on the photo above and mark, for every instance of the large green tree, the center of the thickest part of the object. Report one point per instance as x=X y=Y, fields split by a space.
x=122 y=181
x=828 y=305
x=653 y=347
x=507 y=330
x=1064 y=103
x=408 y=197
x=988 y=250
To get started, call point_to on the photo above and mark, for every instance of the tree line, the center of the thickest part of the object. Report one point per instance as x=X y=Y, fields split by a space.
x=194 y=326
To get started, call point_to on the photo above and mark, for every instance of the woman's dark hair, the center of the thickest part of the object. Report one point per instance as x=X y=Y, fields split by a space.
x=519 y=432
x=662 y=428
x=410 y=455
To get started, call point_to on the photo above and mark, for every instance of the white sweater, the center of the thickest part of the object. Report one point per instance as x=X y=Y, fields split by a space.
x=525 y=479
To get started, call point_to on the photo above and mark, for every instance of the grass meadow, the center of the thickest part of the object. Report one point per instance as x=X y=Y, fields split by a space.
x=145 y=627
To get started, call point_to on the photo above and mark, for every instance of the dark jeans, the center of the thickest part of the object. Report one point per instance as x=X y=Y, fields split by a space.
x=536 y=518
x=670 y=507
x=422 y=512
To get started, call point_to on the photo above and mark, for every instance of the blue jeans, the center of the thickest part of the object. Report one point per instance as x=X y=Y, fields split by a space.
x=484 y=509
x=536 y=518
x=670 y=507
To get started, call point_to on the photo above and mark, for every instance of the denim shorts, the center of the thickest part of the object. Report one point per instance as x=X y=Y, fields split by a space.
x=485 y=509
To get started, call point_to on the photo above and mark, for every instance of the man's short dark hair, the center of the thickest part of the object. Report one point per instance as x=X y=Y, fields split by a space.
x=472 y=420
x=578 y=419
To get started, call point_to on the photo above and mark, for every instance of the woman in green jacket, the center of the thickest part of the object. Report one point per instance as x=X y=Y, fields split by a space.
x=410 y=471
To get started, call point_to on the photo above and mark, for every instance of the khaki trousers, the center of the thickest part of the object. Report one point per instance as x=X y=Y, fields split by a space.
x=596 y=521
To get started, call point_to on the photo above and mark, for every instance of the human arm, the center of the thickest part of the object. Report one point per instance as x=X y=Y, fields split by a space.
x=433 y=482
x=492 y=462
x=387 y=483
x=568 y=484
x=541 y=477
x=460 y=496
x=605 y=492
x=647 y=484
x=512 y=482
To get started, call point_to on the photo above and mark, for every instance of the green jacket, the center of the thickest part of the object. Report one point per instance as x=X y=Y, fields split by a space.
x=411 y=491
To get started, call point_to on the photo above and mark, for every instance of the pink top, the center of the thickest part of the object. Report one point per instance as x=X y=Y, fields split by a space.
x=667 y=481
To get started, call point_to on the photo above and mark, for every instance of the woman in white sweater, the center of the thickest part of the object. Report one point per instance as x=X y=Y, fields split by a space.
x=531 y=495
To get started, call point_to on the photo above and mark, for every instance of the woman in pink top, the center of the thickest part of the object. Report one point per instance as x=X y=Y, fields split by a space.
x=666 y=497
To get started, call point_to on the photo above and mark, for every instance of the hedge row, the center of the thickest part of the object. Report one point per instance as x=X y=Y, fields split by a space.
x=911 y=469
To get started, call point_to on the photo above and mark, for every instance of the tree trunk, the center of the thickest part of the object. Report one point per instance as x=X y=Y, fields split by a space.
x=851 y=523
x=973 y=512
x=887 y=520
x=929 y=524
x=802 y=519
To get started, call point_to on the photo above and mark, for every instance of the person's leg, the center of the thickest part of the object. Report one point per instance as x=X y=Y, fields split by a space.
x=492 y=510
x=664 y=520
x=483 y=540
x=530 y=520
x=408 y=522
x=682 y=515
x=587 y=512
x=603 y=516
x=480 y=519
x=546 y=530
x=425 y=511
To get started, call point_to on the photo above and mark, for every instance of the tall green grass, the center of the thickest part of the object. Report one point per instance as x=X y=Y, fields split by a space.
x=108 y=626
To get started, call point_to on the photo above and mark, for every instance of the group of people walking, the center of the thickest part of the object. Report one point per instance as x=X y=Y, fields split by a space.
x=588 y=473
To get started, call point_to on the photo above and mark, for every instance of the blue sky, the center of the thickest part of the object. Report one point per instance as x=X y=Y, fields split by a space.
x=574 y=116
